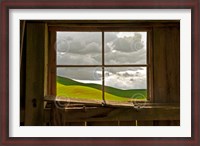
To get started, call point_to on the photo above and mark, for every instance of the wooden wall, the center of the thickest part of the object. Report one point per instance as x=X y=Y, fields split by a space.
x=166 y=84
x=34 y=74
x=166 y=62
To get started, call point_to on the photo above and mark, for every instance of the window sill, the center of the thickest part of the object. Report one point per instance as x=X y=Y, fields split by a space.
x=82 y=111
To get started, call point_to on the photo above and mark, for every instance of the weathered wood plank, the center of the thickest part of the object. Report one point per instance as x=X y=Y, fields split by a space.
x=75 y=102
x=22 y=32
x=145 y=123
x=166 y=67
x=103 y=123
x=34 y=74
x=46 y=61
x=75 y=124
x=117 y=114
x=127 y=123
x=22 y=70
x=175 y=123
x=57 y=117
x=85 y=22
x=173 y=71
x=167 y=123
x=166 y=64
x=47 y=115
x=52 y=64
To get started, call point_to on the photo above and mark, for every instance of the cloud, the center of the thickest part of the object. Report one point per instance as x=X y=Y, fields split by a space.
x=77 y=59
x=129 y=42
x=81 y=73
x=122 y=45
x=62 y=45
x=121 y=70
x=119 y=50
x=92 y=48
x=129 y=79
x=126 y=83
x=117 y=57
x=79 y=42
x=110 y=36
x=85 y=48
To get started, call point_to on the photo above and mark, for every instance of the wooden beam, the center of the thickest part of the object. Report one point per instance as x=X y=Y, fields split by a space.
x=34 y=104
x=62 y=22
x=116 y=114
x=166 y=64
x=75 y=102
x=22 y=31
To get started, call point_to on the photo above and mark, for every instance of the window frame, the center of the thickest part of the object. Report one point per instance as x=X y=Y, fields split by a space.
x=99 y=27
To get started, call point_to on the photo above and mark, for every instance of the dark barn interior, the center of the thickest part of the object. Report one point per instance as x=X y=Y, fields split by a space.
x=38 y=101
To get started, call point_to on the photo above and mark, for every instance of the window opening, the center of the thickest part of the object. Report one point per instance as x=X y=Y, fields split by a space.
x=108 y=66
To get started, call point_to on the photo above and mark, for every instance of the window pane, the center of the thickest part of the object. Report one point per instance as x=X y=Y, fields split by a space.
x=126 y=83
x=81 y=83
x=79 y=48
x=125 y=47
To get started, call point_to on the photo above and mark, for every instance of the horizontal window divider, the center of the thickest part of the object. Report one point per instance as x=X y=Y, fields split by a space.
x=78 y=65
x=142 y=65
x=100 y=28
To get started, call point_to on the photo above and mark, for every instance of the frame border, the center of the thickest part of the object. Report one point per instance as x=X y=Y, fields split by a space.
x=100 y=4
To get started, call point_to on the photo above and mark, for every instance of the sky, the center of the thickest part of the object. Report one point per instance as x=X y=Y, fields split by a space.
x=85 y=48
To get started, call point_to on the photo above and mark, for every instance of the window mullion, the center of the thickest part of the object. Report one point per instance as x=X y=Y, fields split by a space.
x=103 y=77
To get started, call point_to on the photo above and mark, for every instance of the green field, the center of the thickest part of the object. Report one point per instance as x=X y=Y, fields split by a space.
x=70 y=88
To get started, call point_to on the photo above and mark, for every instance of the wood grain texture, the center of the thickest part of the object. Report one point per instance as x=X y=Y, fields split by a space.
x=103 y=114
x=145 y=123
x=166 y=80
x=166 y=64
x=75 y=102
x=103 y=123
x=22 y=70
x=34 y=74
x=127 y=123
x=52 y=64
x=57 y=117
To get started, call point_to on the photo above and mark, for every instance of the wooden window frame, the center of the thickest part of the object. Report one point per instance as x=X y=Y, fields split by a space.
x=99 y=27
x=158 y=110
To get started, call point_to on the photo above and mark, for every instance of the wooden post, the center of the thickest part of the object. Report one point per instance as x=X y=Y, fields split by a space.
x=167 y=67
x=35 y=38
x=167 y=64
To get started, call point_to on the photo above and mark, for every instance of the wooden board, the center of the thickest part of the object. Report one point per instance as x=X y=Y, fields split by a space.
x=127 y=123
x=166 y=52
x=113 y=114
x=34 y=74
x=75 y=102
x=166 y=68
x=145 y=123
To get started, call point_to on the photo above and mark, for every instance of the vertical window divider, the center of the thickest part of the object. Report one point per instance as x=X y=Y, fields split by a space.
x=103 y=75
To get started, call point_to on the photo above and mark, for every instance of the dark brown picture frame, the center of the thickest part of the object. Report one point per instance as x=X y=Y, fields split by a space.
x=99 y=4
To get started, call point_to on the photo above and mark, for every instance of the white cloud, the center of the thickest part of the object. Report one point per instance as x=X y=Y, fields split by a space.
x=127 y=79
x=92 y=48
x=117 y=57
x=126 y=83
x=78 y=59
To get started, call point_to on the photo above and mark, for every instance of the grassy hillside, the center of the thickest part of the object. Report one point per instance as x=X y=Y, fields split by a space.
x=71 y=88
x=83 y=92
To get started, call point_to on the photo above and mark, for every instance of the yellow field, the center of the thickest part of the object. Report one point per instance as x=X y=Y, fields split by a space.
x=82 y=92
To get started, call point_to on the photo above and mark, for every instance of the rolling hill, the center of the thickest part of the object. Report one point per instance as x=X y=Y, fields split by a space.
x=70 y=88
